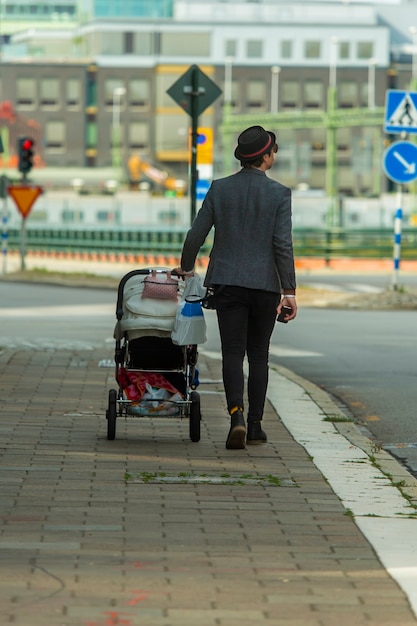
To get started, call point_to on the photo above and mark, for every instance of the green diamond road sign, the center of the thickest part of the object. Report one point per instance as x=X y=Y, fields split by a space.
x=191 y=84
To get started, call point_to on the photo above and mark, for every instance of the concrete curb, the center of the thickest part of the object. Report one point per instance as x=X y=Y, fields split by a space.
x=379 y=492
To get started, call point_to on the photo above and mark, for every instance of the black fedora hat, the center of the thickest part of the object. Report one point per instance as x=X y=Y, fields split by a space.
x=254 y=142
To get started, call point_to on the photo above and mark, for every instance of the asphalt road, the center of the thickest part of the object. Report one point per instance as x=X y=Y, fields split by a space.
x=45 y=316
x=367 y=359
x=357 y=283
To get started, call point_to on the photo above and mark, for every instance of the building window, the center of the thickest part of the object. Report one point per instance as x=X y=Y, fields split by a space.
x=318 y=139
x=286 y=49
x=49 y=93
x=236 y=100
x=142 y=44
x=344 y=50
x=112 y=43
x=290 y=94
x=139 y=136
x=128 y=43
x=163 y=83
x=172 y=133
x=139 y=94
x=254 y=49
x=347 y=94
x=313 y=94
x=185 y=44
x=73 y=93
x=55 y=137
x=312 y=49
x=365 y=49
x=364 y=94
x=110 y=86
x=343 y=139
x=230 y=48
x=256 y=99
x=26 y=93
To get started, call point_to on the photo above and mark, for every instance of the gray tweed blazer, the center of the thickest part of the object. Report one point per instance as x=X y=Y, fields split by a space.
x=251 y=216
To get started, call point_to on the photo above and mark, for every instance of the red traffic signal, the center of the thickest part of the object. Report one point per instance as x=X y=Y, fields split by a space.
x=25 y=153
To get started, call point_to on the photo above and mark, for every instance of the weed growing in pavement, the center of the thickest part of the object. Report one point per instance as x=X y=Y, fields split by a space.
x=400 y=485
x=223 y=479
x=376 y=446
x=337 y=418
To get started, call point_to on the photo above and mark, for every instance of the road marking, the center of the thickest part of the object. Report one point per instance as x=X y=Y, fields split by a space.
x=364 y=288
x=347 y=287
x=71 y=310
x=281 y=351
x=326 y=286
x=275 y=350
x=46 y=343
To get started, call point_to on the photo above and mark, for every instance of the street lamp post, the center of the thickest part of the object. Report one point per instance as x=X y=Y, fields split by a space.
x=227 y=113
x=275 y=71
x=376 y=151
x=413 y=32
x=371 y=83
x=333 y=61
x=118 y=92
x=228 y=86
x=331 y=165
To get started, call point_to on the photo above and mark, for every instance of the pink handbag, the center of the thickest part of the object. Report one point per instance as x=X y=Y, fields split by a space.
x=160 y=286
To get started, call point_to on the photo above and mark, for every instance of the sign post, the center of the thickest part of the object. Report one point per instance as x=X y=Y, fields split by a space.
x=400 y=111
x=4 y=181
x=400 y=158
x=194 y=91
x=24 y=197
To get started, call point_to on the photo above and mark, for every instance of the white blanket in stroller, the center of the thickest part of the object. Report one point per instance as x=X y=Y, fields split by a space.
x=145 y=316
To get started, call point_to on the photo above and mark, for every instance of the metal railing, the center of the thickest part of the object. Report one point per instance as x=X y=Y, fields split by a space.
x=310 y=242
x=340 y=242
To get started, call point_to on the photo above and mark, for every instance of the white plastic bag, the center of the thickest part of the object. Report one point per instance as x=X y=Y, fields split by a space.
x=189 y=325
x=155 y=395
x=194 y=290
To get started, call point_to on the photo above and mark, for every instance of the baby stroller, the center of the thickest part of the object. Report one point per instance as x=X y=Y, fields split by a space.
x=155 y=376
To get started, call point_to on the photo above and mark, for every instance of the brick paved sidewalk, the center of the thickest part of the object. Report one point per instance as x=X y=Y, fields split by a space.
x=92 y=533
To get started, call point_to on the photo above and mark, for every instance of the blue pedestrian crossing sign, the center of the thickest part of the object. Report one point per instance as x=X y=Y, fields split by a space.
x=400 y=162
x=400 y=111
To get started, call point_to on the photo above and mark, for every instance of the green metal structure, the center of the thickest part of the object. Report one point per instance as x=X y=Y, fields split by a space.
x=331 y=120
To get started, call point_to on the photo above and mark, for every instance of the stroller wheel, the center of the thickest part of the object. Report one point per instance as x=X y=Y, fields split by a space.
x=111 y=415
x=195 y=416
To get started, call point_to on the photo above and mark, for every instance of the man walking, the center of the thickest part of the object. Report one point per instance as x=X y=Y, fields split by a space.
x=251 y=265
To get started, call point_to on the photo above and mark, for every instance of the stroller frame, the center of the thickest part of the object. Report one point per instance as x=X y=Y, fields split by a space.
x=119 y=405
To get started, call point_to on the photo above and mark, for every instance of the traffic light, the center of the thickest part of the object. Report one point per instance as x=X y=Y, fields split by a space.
x=25 y=152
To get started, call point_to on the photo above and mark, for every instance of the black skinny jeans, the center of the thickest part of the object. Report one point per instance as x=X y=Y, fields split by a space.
x=246 y=320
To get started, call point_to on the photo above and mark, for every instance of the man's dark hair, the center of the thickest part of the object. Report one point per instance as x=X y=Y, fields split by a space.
x=256 y=163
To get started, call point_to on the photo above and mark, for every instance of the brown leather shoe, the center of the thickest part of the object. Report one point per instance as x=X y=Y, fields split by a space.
x=255 y=434
x=237 y=433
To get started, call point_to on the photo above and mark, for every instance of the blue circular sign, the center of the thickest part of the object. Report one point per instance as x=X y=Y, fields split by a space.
x=400 y=162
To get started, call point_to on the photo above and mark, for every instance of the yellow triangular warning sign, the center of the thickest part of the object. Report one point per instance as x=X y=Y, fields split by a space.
x=24 y=197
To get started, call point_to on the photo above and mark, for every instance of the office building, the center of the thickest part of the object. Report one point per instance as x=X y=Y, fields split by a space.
x=265 y=56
